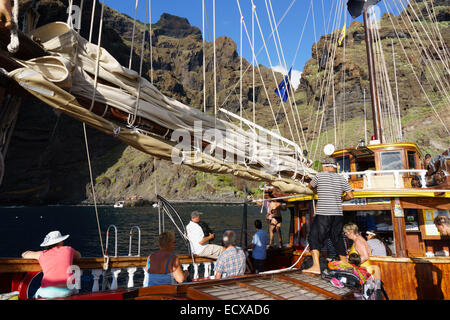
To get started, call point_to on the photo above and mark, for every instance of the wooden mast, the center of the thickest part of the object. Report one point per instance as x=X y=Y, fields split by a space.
x=398 y=220
x=376 y=110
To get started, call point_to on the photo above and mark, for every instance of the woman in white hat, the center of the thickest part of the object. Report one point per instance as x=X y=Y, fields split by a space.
x=56 y=261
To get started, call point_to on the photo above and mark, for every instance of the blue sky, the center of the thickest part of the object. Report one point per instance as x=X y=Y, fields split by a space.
x=307 y=20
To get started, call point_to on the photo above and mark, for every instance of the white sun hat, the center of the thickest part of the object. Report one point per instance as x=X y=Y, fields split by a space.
x=53 y=238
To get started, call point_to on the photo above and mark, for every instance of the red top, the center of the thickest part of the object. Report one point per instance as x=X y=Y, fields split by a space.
x=55 y=265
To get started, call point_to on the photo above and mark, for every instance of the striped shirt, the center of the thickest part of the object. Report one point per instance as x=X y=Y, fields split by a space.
x=330 y=187
x=231 y=262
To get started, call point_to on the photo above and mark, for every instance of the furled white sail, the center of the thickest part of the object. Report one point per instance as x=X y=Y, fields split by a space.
x=70 y=73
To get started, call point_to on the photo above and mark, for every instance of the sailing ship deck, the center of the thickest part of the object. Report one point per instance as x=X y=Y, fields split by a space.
x=289 y=285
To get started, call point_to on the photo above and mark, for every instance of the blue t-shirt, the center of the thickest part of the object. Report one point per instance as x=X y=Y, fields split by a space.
x=260 y=240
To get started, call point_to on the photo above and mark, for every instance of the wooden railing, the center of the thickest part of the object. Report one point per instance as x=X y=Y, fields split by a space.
x=370 y=175
x=115 y=266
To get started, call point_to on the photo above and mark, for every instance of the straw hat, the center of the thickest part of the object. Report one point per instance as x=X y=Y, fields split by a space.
x=53 y=238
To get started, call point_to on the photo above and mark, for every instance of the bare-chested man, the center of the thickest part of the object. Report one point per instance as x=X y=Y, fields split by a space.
x=273 y=216
x=275 y=220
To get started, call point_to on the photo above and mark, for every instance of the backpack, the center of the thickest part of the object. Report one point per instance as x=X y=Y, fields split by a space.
x=369 y=289
x=347 y=278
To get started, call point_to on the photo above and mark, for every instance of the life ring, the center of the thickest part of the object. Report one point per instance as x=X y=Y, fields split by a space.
x=29 y=284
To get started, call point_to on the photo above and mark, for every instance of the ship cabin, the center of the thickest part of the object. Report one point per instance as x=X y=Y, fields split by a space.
x=396 y=196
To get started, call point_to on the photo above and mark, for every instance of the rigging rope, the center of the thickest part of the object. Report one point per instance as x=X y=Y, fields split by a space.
x=150 y=39
x=260 y=73
x=285 y=66
x=204 y=56
x=444 y=90
x=132 y=118
x=426 y=33
x=396 y=90
x=84 y=127
x=415 y=75
x=438 y=31
x=240 y=68
x=215 y=62
x=387 y=92
x=262 y=80
x=132 y=35
x=330 y=75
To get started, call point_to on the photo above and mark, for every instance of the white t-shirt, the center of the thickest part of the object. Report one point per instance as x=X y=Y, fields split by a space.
x=195 y=235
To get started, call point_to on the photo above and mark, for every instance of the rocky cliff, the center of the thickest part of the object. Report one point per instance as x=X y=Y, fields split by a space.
x=47 y=163
x=420 y=123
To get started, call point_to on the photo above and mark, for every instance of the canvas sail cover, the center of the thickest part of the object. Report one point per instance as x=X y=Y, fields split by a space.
x=59 y=79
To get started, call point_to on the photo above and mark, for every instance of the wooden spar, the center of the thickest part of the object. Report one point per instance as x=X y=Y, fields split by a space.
x=376 y=110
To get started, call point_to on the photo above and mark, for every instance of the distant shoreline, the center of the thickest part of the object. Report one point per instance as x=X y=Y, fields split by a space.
x=175 y=201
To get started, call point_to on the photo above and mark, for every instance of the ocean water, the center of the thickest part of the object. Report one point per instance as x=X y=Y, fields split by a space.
x=24 y=228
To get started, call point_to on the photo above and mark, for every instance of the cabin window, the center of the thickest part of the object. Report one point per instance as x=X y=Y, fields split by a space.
x=391 y=160
x=411 y=160
x=344 y=163
x=379 y=221
x=411 y=220
x=364 y=163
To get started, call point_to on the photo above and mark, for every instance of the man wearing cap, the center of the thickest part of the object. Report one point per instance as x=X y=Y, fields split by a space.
x=56 y=261
x=199 y=241
x=328 y=219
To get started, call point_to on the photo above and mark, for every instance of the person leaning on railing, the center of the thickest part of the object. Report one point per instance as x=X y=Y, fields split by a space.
x=56 y=261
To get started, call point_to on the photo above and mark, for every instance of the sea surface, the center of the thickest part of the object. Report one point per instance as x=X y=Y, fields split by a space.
x=24 y=228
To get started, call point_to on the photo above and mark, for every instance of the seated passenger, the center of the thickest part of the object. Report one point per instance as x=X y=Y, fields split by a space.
x=360 y=245
x=232 y=261
x=163 y=266
x=56 y=261
x=199 y=241
x=442 y=223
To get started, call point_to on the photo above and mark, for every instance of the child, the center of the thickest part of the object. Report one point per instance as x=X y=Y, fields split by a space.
x=353 y=265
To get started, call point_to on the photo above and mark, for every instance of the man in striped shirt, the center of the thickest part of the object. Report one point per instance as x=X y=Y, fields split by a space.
x=328 y=219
